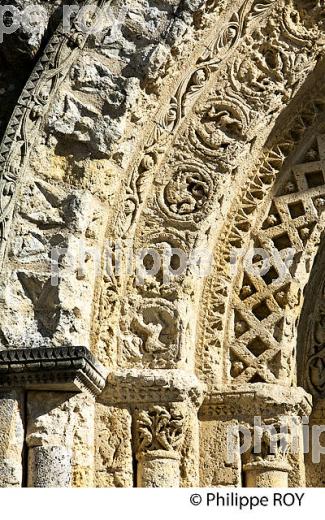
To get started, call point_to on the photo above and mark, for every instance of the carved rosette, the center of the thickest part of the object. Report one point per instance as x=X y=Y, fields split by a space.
x=188 y=193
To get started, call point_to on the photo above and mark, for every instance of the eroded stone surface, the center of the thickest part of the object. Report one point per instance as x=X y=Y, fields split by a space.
x=194 y=133
x=11 y=438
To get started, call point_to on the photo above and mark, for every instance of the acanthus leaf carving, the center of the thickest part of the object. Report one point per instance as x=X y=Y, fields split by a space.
x=159 y=428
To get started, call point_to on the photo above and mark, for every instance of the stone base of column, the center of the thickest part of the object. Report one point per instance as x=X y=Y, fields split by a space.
x=267 y=474
x=158 y=468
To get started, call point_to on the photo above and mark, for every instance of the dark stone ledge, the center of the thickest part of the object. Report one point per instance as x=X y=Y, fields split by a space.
x=71 y=369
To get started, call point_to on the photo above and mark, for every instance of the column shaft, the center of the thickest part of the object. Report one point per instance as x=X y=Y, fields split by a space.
x=11 y=438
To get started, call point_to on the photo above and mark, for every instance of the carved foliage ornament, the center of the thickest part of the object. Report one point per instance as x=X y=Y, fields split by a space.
x=315 y=370
x=187 y=92
x=159 y=428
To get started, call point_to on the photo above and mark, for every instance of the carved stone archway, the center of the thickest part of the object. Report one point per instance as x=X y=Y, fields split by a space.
x=168 y=146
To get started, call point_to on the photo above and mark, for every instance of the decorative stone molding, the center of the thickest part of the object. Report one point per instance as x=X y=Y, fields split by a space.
x=214 y=128
x=311 y=355
x=207 y=136
x=260 y=334
x=133 y=386
x=28 y=116
x=257 y=399
x=68 y=369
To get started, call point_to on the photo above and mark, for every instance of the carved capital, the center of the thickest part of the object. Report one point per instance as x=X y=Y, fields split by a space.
x=266 y=462
x=159 y=431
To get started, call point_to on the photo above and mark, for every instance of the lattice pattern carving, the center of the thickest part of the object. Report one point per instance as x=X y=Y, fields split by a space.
x=265 y=305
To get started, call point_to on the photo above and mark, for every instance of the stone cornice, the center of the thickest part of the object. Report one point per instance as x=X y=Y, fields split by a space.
x=134 y=386
x=72 y=369
x=259 y=399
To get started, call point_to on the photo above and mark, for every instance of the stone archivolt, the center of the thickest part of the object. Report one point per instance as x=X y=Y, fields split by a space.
x=283 y=223
x=218 y=145
x=269 y=305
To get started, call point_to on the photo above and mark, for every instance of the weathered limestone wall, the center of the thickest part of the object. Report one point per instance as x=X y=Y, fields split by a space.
x=12 y=415
x=114 y=459
x=60 y=440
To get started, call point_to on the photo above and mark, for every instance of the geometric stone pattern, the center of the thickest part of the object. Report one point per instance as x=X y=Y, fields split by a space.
x=261 y=302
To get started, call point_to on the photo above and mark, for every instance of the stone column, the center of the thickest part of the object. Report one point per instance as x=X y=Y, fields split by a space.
x=160 y=433
x=276 y=440
x=254 y=436
x=158 y=468
x=49 y=439
x=49 y=466
x=60 y=438
x=165 y=440
x=267 y=464
x=11 y=438
x=267 y=474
